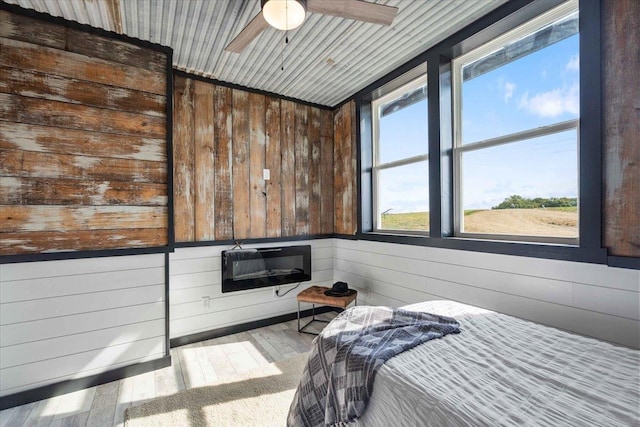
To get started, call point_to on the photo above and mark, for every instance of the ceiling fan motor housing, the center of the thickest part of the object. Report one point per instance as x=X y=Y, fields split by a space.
x=284 y=14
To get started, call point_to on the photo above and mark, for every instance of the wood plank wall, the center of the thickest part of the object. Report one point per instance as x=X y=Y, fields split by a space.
x=345 y=187
x=223 y=140
x=621 y=94
x=82 y=140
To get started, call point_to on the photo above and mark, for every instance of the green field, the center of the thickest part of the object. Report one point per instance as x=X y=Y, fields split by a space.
x=419 y=221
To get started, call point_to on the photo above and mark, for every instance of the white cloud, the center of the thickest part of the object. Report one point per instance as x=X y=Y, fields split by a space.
x=573 y=64
x=509 y=88
x=553 y=103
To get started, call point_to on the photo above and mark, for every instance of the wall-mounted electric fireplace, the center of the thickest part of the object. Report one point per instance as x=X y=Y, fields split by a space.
x=258 y=268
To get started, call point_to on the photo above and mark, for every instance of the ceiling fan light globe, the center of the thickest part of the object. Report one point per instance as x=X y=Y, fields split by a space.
x=275 y=13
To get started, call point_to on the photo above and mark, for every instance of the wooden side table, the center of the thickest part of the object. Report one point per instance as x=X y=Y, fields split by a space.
x=315 y=295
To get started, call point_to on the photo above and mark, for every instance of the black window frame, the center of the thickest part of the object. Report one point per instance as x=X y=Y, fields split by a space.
x=437 y=61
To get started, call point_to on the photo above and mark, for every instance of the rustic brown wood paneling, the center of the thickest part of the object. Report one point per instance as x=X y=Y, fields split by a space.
x=74 y=218
x=621 y=116
x=29 y=242
x=47 y=139
x=116 y=51
x=252 y=132
x=83 y=147
x=45 y=165
x=22 y=109
x=338 y=173
x=47 y=60
x=55 y=88
x=241 y=177
x=273 y=162
x=43 y=33
x=302 y=168
x=257 y=189
x=315 y=184
x=204 y=165
x=183 y=161
x=345 y=169
x=223 y=210
x=326 y=171
x=288 y=178
x=61 y=191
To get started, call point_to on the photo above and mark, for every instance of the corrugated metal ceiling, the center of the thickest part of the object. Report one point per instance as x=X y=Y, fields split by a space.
x=327 y=58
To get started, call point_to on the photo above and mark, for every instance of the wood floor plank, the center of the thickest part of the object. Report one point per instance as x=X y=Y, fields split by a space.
x=6 y=414
x=102 y=416
x=75 y=420
x=165 y=382
x=125 y=394
x=176 y=366
x=43 y=412
x=268 y=346
x=106 y=396
x=75 y=403
x=21 y=414
x=144 y=388
x=209 y=373
x=191 y=370
x=219 y=359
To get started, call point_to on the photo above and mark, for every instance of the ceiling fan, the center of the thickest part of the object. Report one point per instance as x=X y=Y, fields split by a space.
x=289 y=14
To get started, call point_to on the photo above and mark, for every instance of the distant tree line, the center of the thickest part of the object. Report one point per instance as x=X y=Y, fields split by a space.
x=519 y=202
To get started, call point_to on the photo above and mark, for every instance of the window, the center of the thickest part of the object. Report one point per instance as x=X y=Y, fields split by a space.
x=400 y=159
x=516 y=121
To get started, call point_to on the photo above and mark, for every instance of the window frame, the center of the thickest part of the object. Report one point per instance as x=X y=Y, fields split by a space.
x=376 y=167
x=459 y=148
x=438 y=58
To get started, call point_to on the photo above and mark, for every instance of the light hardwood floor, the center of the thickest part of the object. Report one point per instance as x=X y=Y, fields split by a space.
x=193 y=365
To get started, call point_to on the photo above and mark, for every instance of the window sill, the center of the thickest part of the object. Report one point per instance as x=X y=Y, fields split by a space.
x=557 y=251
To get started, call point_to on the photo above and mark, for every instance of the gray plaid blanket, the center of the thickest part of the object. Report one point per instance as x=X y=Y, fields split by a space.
x=338 y=378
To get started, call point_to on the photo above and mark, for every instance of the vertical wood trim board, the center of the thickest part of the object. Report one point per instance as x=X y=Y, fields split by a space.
x=204 y=167
x=223 y=163
x=224 y=139
x=257 y=189
x=621 y=119
x=274 y=164
x=302 y=169
x=83 y=162
x=326 y=172
x=61 y=320
x=183 y=160
x=345 y=194
x=288 y=178
x=241 y=201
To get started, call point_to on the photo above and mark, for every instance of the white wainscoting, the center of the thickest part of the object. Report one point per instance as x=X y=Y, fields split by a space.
x=195 y=274
x=589 y=299
x=61 y=320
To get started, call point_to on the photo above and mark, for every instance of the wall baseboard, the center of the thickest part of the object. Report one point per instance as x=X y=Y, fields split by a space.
x=242 y=327
x=68 y=386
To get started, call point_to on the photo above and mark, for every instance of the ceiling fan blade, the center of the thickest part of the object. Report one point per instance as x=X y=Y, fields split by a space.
x=248 y=33
x=354 y=9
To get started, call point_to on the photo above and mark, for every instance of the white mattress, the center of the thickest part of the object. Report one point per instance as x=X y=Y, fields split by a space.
x=505 y=371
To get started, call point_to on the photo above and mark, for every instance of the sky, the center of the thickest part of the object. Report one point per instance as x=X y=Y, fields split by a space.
x=539 y=89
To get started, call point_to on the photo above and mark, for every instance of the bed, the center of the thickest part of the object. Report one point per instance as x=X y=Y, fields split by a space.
x=501 y=370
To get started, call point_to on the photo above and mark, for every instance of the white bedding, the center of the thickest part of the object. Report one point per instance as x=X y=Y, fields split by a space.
x=505 y=371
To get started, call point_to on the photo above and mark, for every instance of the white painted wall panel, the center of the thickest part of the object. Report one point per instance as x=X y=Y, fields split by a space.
x=18 y=333
x=36 y=351
x=36 y=309
x=589 y=299
x=196 y=273
x=68 y=319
